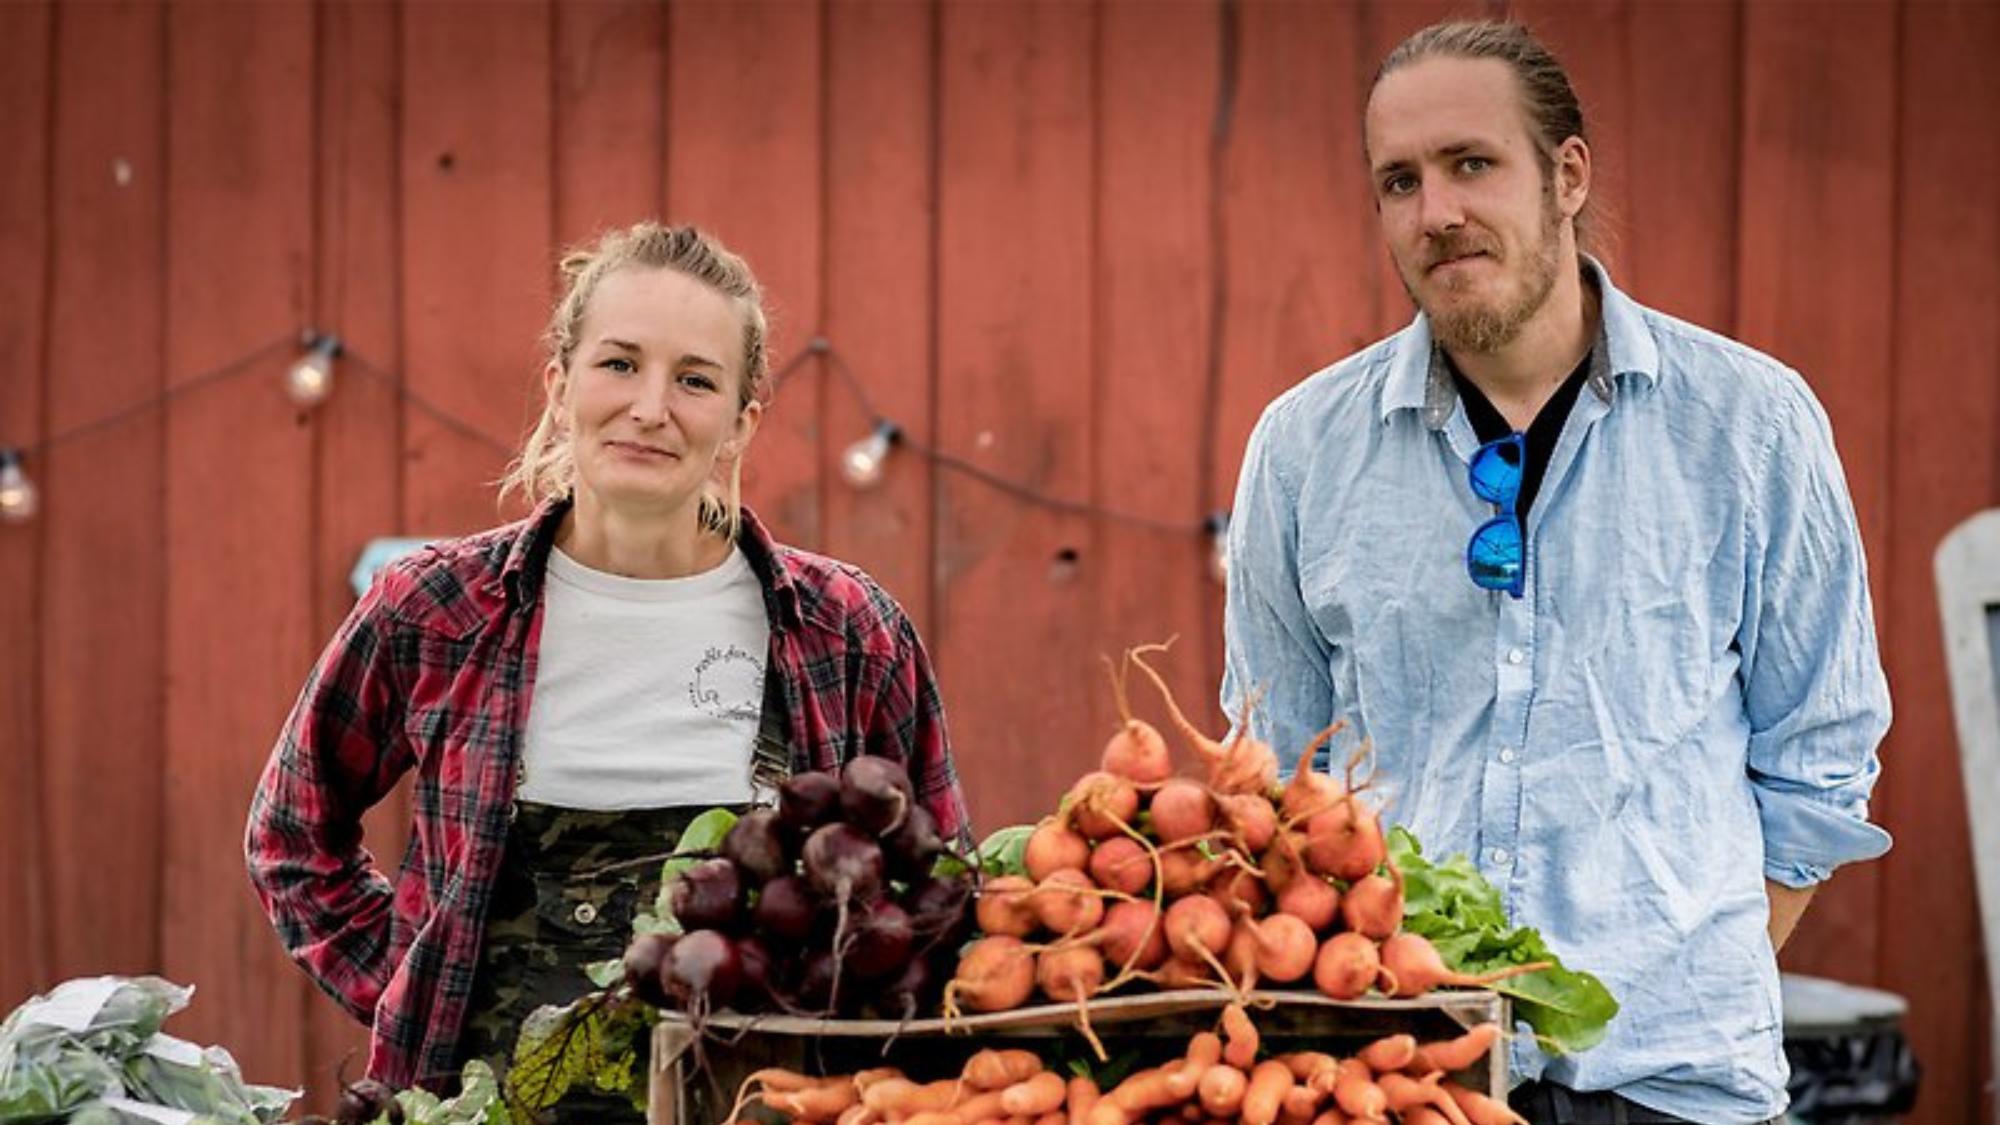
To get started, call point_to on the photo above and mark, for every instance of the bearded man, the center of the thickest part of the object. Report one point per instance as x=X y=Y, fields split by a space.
x=1588 y=580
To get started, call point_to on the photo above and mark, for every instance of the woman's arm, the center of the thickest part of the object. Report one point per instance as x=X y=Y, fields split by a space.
x=338 y=754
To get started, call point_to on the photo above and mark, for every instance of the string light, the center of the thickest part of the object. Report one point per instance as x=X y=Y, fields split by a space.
x=310 y=380
x=862 y=463
x=18 y=499
x=1217 y=527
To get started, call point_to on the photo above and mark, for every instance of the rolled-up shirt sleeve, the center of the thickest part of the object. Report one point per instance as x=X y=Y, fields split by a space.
x=1814 y=690
x=1274 y=656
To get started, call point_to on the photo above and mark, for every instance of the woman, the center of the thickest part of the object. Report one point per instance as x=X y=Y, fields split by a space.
x=572 y=688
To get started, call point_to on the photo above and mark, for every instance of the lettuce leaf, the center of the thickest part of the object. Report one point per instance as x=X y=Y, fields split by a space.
x=1453 y=905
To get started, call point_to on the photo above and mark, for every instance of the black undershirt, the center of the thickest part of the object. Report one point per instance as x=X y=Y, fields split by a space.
x=1488 y=424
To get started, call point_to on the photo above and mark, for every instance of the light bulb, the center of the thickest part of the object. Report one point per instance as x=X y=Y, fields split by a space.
x=18 y=499
x=1218 y=546
x=862 y=463
x=311 y=379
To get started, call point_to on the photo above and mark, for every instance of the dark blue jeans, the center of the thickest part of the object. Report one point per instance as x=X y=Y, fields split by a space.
x=1546 y=1103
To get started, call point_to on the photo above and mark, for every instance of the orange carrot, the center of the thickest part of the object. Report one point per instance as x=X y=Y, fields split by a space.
x=1052 y=847
x=1241 y=1051
x=1035 y=1096
x=1081 y=1099
x=994 y=975
x=1374 y=904
x=1265 y=1096
x=1456 y=1054
x=997 y=1069
x=1101 y=805
x=817 y=1103
x=1221 y=1090
x=1135 y=752
x=1302 y=1102
x=1480 y=1109
x=1145 y=1090
x=1003 y=907
x=1392 y=1052
x=1355 y=1091
x=1347 y=965
x=1121 y=864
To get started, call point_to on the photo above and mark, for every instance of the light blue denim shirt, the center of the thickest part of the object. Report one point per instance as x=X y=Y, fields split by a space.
x=1686 y=700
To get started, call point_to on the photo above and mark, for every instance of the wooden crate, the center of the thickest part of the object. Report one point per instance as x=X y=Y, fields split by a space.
x=1156 y=1025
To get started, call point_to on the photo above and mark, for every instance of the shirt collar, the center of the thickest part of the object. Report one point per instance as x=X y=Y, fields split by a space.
x=527 y=560
x=1419 y=381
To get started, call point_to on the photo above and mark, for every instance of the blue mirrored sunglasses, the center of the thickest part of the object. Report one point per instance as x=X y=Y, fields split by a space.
x=1496 y=557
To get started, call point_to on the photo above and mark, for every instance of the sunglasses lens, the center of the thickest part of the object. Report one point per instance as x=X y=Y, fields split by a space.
x=1494 y=556
x=1496 y=471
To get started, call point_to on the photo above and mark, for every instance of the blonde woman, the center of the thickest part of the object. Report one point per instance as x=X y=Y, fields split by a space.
x=570 y=689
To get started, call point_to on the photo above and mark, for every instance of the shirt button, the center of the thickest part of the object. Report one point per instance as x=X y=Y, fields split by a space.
x=1515 y=656
x=1507 y=756
x=1500 y=855
x=585 y=913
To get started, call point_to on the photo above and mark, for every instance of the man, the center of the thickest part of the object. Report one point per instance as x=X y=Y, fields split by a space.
x=1586 y=577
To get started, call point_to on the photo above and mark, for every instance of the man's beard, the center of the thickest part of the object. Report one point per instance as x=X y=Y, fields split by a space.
x=1481 y=330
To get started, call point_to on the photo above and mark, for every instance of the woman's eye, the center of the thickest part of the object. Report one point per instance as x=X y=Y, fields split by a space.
x=619 y=364
x=698 y=381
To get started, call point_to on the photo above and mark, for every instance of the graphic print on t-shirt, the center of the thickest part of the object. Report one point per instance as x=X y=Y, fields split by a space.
x=728 y=683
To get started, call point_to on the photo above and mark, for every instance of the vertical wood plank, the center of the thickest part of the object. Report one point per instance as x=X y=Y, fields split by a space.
x=26 y=50
x=1679 y=233
x=1155 y=291
x=744 y=123
x=1945 y=400
x=1014 y=399
x=609 y=117
x=358 y=453
x=476 y=257
x=1817 y=218
x=104 y=586
x=238 y=498
x=1589 y=38
x=1301 y=248
x=879 y=306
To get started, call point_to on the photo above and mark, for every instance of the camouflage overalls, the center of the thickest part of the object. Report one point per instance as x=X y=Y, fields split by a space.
x=554 y=909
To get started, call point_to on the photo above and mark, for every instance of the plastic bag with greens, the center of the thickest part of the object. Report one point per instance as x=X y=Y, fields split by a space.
x=124 y=1111
x=173 y=1072
x=62 y=1049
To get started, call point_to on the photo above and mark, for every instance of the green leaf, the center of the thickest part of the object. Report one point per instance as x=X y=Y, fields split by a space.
x=1005 y=852
x=478 y=1100
x=605 y=974
x=1106 y=1074
x=420 y=1106
x=1451 y=904
x=949 y=866
x=559 y=1046
x=705 y=832
x=644 y=923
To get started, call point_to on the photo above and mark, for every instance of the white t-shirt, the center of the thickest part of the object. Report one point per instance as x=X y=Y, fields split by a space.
x=648 y=691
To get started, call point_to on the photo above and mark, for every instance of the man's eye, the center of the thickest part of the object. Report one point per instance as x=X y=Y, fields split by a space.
x=1399 y=185
x=1474 y=164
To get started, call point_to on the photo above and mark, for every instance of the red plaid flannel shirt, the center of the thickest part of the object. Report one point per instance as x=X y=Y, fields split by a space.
x=432 y=672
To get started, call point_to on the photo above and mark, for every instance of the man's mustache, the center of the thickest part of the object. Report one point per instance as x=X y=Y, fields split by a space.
x=1457 y=244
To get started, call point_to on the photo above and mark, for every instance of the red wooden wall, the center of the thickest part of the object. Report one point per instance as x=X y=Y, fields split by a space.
x=1075 y=245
